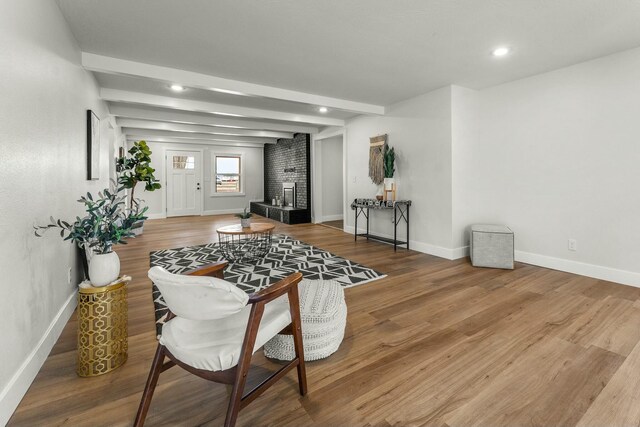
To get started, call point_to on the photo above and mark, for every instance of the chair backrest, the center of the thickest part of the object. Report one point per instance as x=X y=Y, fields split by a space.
x=198 y=297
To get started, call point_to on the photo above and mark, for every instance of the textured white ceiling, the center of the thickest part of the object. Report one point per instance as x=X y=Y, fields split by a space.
x=376 y=51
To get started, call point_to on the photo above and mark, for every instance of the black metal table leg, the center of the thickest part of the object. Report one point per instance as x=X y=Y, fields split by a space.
x=368 y=212
x=407 y=227
x=395 y=228
x=355 y=234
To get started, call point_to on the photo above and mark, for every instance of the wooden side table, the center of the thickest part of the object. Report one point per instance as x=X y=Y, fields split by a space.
x=239 y=244
x=102 y=329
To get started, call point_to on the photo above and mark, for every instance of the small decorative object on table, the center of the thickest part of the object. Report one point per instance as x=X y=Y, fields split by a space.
x=492 y=246
x=245 y=218
x=245 y=244
x=102 y=327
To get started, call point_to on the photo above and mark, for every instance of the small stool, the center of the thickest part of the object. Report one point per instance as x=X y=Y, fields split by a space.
x=491 y=246
x=323 y=312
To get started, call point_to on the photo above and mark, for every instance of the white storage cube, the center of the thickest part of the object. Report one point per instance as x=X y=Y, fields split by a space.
x=492 y=246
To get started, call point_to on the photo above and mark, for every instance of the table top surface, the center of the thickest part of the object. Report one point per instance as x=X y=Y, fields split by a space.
x=256 y=227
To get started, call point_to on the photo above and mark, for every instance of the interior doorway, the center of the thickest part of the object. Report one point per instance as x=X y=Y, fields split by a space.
x=329 y=184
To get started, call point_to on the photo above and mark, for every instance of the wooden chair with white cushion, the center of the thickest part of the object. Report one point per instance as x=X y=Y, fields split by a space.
x=215 y=328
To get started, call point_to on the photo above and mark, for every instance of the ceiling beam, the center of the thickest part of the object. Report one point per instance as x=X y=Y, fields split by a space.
x=173 y=116
x=165 y=140
x=106 y=64
x=181 y=127
x=116 y=95
x=150 y=133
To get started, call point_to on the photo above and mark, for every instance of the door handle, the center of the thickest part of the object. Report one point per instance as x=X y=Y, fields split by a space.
x=198 y=186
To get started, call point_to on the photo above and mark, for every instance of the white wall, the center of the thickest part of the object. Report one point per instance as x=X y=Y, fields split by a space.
x=557 y=156
x=331 y=176
x=45 y=95
x=464 y=144
x=554 y=156
x=253 y=186
x=420 y=131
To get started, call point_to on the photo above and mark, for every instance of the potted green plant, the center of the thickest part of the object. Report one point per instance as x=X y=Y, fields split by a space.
x=389 y=166
x=133 y=169
x=108 y=222
x=245 y=218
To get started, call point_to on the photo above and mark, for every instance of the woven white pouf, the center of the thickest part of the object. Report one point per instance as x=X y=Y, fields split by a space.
x=323 y=312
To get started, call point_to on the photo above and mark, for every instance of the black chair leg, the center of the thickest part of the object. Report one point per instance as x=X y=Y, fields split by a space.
x=296 y=324
x=149 y=388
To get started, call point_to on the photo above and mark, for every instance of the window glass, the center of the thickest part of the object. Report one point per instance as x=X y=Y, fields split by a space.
x=184 y=162
x=227 y=174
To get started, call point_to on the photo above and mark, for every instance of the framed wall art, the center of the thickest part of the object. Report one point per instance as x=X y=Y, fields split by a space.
x=93 y=146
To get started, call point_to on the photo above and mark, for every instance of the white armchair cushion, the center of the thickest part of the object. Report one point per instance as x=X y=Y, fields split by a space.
x=198 y=297
x=215 y=345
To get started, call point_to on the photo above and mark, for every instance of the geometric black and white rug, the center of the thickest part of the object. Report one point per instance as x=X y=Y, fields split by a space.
x=285 y=257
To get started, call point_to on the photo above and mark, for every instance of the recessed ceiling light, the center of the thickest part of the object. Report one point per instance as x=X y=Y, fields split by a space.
x=323 y=109
x=177 y=88
x=500 y=51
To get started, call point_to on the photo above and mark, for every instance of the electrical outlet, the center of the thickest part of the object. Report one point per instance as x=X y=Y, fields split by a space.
x=572 y=245
x=69 y=276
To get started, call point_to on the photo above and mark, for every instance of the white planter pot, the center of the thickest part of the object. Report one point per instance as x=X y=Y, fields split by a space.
x=245 y=222
x=388 y=182
x=104 y=269
x=137 y=231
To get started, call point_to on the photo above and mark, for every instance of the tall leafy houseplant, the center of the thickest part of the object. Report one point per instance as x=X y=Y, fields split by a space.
x=137 y=168
x=389 y=162
x=108 y=222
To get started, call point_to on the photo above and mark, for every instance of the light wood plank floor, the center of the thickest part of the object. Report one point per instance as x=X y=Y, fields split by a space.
x=437 y=342
x=339 y=224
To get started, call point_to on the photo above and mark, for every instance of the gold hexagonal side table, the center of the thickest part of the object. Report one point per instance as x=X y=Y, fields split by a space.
x=102 y=329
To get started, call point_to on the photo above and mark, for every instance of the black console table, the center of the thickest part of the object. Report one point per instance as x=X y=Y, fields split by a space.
x=400 y=210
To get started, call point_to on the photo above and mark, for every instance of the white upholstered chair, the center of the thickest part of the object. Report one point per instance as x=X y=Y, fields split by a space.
x=215 y=328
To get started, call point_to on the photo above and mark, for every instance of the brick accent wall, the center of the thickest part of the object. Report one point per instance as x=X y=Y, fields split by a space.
x=288 y=161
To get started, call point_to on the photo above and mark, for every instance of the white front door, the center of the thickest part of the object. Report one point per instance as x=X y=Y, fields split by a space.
x=184 y=183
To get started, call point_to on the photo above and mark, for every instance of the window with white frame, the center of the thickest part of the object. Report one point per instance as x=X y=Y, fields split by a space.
x=227 y=172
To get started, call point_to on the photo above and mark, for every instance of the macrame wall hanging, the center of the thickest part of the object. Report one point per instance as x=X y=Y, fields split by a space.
x=376 y=158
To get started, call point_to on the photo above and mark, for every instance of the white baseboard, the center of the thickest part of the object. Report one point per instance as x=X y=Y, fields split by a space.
x=157 y=216
x=426 y=248
x=15 y=390
x=222 y=211
x=591 y=270
x=332 y=218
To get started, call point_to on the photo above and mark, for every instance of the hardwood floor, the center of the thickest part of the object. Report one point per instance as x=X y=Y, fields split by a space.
x=339 y=224
x=437 y=342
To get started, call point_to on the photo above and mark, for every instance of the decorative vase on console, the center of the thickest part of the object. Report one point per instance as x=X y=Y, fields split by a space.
x=380 y=193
